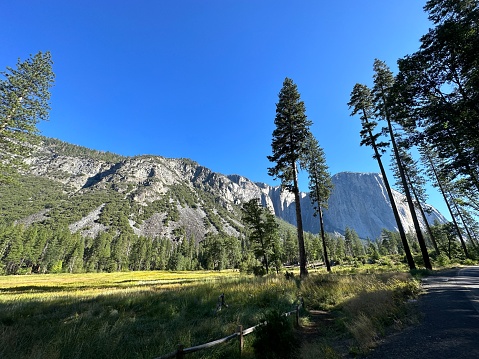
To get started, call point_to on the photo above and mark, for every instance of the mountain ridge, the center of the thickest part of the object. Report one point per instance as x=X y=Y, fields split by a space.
x=161 y=196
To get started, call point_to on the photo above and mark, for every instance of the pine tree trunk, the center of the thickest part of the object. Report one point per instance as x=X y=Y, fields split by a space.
x=420 y=237
x=325 y=250
x=444 y=195
x=402 y=233
x=428 y=227
x=463 y=243
x=303 y=271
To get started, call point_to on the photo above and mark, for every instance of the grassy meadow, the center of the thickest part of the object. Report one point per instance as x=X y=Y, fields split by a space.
x=147 y=314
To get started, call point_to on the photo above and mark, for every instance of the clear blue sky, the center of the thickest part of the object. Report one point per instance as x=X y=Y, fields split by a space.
x=200 y=78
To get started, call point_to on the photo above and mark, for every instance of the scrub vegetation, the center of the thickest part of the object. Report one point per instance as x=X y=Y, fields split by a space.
x=147 y=314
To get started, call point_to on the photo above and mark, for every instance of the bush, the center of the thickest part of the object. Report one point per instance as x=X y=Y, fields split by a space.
x=259 y=271
x=442 y=260
x=276 y=339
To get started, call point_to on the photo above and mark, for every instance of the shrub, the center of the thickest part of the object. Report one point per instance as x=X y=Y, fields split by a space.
x=443 y=260
x=276 y=339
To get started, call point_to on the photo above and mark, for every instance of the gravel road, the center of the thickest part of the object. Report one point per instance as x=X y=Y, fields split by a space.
x=450 y=325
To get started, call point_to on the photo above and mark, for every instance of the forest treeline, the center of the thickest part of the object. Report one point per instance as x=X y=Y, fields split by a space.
x=40 y=249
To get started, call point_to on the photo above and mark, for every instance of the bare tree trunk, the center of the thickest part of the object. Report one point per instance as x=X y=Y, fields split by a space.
x=463 y=243
x=303 y=271
x=428 y=227
x=402 y=233
x=420 y=237
x=444 y=195
x=325 y=250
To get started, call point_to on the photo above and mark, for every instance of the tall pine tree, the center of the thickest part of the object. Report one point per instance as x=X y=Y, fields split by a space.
x=362 y=103
x=288 y=145
x=24 y=101
x=320 y=185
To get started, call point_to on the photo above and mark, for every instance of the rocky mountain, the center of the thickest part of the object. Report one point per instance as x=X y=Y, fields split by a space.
x=156 y=196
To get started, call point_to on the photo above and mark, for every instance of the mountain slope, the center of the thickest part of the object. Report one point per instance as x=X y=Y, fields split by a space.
x=92 y=192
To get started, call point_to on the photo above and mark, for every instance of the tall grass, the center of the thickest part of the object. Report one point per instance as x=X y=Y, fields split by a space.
x=365 y=304
x=147 y=314
x=128 y=316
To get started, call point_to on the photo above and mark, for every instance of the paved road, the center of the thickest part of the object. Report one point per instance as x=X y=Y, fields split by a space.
x=450 y=326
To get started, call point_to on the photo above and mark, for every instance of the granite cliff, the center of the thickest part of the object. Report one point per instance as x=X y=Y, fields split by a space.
x=164 y=196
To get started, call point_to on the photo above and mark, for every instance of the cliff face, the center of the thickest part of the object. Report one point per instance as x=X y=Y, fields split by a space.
x=358 y=201
x=198 y=201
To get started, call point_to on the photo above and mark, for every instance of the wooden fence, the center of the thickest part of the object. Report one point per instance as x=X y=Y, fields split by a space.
x=240 y=333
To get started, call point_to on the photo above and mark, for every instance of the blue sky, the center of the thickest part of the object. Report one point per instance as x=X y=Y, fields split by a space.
x=200 y=79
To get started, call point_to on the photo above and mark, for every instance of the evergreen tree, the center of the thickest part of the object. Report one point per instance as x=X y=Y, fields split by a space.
x=441 y=84
x=288 y=145
x=213 y=254
x=75 y=264
x=14 y=250
x=372 y=250
x=444 y=185
x=320 y=184
x=416 y=182
x=340 y=248
x=384 y=97
x=290 y=248
x=348 y=242
x=233 y=251
x=263 y=231
x=358 y=246
x=24 y=97
x=120 y=248
x=362 y=103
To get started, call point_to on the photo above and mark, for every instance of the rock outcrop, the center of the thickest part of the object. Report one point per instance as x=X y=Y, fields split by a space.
x=204 y=201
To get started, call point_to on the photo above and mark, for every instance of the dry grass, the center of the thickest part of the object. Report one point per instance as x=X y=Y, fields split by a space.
x=90 y=285
x=146 y=314
x=365 y=304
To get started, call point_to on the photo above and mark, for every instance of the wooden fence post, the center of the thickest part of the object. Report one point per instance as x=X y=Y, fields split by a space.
x=179 y=353
x=240 y=337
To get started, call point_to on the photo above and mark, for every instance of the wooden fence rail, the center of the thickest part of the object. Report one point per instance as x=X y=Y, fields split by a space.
x=180 y=351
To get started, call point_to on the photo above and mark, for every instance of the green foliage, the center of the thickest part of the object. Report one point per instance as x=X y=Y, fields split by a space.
x=276 y=339
x=320 y=185
x=163 y=205
x=439 y=84
x=290 y=134
x=218 y=252
x=67 y=149
x=29 y=195
x=25 y=95
x=184 y=195
x=288 y=147
x=447 y=242
x=263 y=233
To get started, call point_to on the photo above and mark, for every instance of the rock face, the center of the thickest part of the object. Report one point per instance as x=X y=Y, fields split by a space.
x=200 y=201
x=358 y=201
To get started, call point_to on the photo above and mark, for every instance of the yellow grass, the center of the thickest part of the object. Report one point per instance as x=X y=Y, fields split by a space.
x=88 y=285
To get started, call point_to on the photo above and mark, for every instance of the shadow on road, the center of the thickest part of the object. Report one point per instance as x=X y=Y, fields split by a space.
x=450 y=325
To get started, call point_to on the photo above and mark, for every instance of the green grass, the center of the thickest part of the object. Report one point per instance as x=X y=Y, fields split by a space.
x=147 y=314
x=129 y=315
